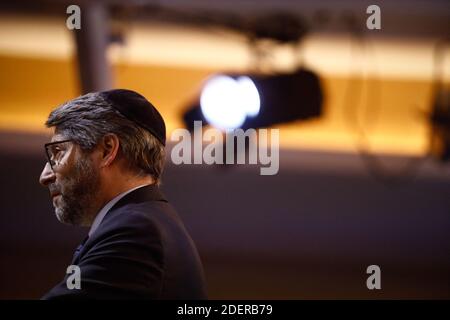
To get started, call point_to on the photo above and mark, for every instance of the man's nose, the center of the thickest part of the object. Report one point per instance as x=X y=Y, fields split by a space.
x=47 y=175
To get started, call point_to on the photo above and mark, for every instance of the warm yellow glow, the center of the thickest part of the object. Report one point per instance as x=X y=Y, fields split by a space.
x=165 y=45
x=168 y=65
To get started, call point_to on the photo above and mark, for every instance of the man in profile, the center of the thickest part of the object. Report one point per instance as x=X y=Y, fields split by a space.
x=105 y=161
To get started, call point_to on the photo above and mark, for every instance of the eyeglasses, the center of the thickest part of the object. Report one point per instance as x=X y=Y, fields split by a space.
x=55 y=152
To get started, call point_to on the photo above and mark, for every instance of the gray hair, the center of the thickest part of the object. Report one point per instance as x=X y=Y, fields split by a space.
x=88 y=118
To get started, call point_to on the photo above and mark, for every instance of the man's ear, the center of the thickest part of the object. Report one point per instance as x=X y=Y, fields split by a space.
x=109 y=144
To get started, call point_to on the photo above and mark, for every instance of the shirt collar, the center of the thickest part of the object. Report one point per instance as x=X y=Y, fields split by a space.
x=102 y=213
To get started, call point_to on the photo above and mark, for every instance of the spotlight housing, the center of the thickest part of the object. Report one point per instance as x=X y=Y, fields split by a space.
x=230 y=101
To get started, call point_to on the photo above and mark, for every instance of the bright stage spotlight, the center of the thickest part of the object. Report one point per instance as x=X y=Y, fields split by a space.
x=253 y=101
x=226 y=102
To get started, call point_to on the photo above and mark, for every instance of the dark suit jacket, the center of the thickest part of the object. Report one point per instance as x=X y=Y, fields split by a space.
x=141 y=250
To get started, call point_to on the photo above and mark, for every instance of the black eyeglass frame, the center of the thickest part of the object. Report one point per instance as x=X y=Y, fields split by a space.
x=49 y=159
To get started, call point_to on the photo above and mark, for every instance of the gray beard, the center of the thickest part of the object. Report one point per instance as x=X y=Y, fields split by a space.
x=78 y=193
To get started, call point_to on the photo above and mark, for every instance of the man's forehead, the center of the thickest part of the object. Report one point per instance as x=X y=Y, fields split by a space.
x=57 y=136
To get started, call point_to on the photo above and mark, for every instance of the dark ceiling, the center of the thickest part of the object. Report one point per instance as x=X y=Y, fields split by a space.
x=400 y=18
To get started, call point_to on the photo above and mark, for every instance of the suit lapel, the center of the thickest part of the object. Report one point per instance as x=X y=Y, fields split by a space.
x=147 y=193
x=78 y=251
